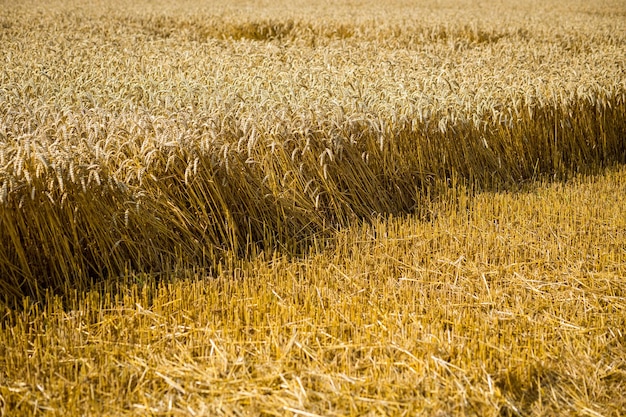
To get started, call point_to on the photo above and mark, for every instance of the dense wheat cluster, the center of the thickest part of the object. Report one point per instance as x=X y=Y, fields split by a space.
x=342 y=170
x=145 y=138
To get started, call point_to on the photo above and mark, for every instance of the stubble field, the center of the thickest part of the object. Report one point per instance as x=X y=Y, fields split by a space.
x=310 y=208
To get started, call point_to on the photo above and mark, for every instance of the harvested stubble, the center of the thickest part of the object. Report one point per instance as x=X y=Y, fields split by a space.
x=503 y=304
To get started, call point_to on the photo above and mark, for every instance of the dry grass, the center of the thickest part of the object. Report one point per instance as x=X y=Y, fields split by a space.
x=502 y=304
x=312 y=209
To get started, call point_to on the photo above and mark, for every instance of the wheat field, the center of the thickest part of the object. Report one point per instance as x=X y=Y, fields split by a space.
x=310 y=208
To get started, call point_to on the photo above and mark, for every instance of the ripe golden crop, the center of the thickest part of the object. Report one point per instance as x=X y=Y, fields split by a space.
x=142 y=139
x=373 y=177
